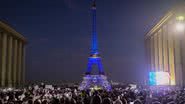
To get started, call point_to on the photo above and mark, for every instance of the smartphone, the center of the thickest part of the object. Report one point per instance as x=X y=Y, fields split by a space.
x=131 y=103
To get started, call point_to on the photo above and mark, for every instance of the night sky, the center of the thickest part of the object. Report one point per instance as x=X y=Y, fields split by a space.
x=59 y=36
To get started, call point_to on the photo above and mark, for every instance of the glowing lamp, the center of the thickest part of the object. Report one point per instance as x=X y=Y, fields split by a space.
x=180 y=27
x=180 y=18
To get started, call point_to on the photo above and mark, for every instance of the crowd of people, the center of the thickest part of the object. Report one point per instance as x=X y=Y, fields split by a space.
x=42 y=94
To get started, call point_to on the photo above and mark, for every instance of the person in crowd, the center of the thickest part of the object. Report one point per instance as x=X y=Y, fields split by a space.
x=43 y=94
x=107 y=101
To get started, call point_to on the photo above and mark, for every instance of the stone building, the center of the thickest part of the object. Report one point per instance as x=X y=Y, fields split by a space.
x=12 y=57
x=165 y=45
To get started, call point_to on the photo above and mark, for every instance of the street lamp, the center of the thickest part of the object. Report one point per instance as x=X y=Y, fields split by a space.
x=180 y=26
x=180 y=18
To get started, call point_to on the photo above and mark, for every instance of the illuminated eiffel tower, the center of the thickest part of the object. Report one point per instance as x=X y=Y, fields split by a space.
x=94 y=80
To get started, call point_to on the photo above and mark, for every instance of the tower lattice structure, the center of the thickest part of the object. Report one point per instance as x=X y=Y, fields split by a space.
x=94 y=58
x=92 y=80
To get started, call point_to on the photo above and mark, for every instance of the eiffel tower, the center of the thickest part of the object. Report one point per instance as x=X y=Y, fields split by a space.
x=94 y=80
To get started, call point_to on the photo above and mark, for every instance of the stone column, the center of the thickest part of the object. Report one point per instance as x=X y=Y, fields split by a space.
x=15 y=62
x=0 y=53
x=19 y=59
x=165 y=49
x=9 y=67
x=156 y=48
x=23 y=65
x=178 y=63
x=152 y=53
x=178 y=36
x=160 y=50
x=182 y=56
x=4 y=54
x=171 y=54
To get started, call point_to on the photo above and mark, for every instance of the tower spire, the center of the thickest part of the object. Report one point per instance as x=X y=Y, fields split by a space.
x=92 y=80
x=94 y=48
x=94 y=58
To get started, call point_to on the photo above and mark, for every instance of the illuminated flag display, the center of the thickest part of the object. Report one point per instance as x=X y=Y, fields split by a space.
x=159 y=78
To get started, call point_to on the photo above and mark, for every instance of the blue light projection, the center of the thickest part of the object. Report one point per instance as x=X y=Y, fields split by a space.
x=90 y=80
x=94 y=48
x=94 y=59
x=152 y=78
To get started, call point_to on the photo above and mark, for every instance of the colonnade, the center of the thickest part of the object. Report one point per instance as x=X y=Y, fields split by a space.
x=12 y=60
x=164 y=52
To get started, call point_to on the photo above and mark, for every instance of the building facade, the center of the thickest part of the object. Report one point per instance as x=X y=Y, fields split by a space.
x=12 y=57
x=165 y=46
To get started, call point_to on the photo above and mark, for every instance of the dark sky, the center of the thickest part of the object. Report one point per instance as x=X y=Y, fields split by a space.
x=59 y=32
